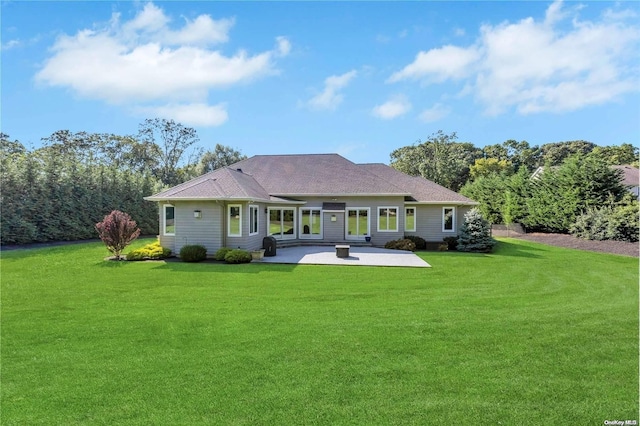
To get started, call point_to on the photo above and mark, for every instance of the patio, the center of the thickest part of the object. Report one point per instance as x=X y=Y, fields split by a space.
x=358 y=256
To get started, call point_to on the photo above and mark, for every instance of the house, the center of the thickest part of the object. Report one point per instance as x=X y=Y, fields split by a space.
x=317 y=198
x=630 y=179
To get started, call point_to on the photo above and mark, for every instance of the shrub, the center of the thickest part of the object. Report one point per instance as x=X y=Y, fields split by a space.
x=475 y=233
x=451 y=242
x=404 y=244
x=420 y=242
x=193 y=253
x=237 y=256
x=606 y=223
x=221 y=253
x=153 y=251
x=117 y=230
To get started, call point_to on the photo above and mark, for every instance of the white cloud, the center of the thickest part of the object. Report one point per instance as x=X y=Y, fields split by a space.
x=435 y=113
x=556 y=64
x=330 y=97
x=437 y=65
x=143 y=62
x=196 y=114
x=394 y=107
x=11 y=44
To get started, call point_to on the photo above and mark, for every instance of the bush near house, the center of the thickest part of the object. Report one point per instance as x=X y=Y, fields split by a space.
x=421 y=243
x=607 y=223
x=193 y=253
x=153 y=251
x=238 y=256
x=221 y=253
x=117 y=230
x=403 y=244
x=451 y=242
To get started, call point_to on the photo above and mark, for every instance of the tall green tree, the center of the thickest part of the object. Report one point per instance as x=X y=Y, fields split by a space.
x=440 y=159
x=174 y=147
x=221 y=156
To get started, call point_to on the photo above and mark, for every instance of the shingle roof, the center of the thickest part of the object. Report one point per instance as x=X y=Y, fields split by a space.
x=630 y=175
x=225 y=183
x=421 y=189
x=278 y=177
x=314 y=174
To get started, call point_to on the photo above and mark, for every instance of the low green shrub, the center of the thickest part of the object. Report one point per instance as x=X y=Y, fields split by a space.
x=607 y=223
x=238 y=256
x=193 y=253
x=451 y=242
x=403 y=244
x=153 y=251
x=221 y=253
x=420 y=242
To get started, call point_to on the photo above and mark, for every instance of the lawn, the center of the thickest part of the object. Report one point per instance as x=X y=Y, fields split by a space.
x=529 y=335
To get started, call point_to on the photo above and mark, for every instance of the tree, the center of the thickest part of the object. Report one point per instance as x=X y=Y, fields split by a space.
x=440 y=159
x=563 y=193
x=554 y=154
x=221 y=156
x=117 y=231
x=518 y=154
x=475 y=233
x=486 y=166
x=617 y=155
x=172 y=141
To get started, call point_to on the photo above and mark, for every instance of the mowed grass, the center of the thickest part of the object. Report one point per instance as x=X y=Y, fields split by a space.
x=528 y=335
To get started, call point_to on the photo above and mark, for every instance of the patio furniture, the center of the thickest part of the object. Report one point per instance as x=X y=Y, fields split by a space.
x=342 y=250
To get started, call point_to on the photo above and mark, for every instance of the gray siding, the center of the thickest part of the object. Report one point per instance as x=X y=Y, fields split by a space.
x=205 y=231
x=429 y=221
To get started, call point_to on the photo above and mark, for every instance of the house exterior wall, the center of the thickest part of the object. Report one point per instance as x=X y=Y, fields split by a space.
x=210 y=230
x=205 y=231
x=429 y=220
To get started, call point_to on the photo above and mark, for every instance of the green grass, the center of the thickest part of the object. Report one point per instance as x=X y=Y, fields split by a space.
x=529 y=335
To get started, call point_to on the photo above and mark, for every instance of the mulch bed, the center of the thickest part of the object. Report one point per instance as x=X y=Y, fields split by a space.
x=569 y=241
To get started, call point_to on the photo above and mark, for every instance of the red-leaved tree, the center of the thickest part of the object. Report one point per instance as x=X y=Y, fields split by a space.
x=117 y=231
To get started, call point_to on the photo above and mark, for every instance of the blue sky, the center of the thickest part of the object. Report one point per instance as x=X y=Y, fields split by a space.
x=357 y=78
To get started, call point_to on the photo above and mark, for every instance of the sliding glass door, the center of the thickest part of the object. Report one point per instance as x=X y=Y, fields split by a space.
x=357 y=223
x=310 y=223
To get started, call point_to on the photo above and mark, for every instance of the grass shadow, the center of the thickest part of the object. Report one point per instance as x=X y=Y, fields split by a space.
x=507 y=248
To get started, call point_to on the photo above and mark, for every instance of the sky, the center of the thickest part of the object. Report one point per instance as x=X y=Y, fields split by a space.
x=360 y=79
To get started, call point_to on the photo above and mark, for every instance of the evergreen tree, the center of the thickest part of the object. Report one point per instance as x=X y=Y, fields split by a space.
x=475 y=233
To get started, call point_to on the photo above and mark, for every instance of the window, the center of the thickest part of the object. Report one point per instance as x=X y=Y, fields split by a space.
x=448 y=219
x=169 y=220
x=282 y=222
x=310 y=223
x=253 y=220
x=234 y=220
x=387 y=219
x=410 y=219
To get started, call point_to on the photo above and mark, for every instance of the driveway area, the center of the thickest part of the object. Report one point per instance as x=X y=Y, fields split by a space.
x=358 y=256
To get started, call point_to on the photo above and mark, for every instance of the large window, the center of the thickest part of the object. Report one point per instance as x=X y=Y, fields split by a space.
x=357 y=223
x=410 y=219
x=310 y=223
x=253 y=220
x=448 y=219
x=169 y=220
x=387 y=219
x=282 y=222
x=234 y=220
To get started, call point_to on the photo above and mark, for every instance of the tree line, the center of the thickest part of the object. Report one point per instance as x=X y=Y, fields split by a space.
x=578 y=190
x=60 y=190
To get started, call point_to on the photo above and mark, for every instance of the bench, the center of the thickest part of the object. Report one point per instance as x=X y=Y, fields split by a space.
x=342 y=250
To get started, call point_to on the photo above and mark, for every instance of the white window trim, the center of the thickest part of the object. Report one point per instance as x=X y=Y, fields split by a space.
x=346 y=223
x=311 y=236
x=229 y=207
x=397 y=218
x=254 y=209
x=453 y=219
x=164 y=220
x=415 y=218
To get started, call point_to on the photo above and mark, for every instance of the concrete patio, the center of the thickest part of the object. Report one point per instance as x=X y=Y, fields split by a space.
x=358 y=256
